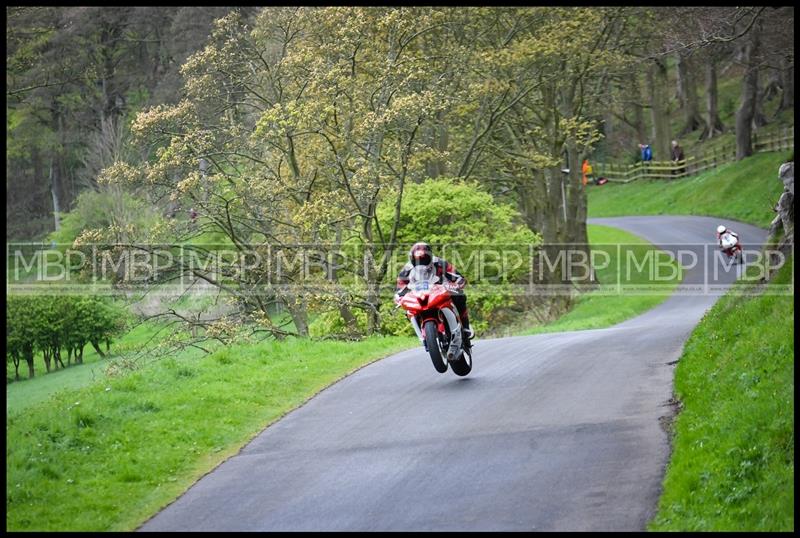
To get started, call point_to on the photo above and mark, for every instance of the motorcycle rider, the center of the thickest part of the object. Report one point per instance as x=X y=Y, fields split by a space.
x=422 y=255
x=723 y=231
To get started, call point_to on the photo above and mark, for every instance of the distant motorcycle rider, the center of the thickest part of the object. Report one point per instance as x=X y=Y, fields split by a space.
x=421 y=254
x=726 y=236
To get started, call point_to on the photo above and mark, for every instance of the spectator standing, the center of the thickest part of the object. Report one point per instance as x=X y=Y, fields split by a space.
x=677 y=158
x=647 y=156
x=587 y=171
x=647 y=152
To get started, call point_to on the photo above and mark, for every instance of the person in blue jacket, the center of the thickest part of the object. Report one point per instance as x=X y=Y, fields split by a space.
x=647 y=152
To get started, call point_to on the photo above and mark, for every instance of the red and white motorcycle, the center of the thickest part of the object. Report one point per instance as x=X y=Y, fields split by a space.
x=435 y=318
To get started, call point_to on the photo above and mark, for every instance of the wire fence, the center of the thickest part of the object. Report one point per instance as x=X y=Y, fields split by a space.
x=691 y=166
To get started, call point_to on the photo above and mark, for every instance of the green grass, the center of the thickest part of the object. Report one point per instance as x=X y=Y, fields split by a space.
x=611 y=304
x=109 y=455
x=732 y=467
x=746 y=191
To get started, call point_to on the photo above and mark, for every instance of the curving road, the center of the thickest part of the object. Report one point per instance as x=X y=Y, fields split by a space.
x=554 y=432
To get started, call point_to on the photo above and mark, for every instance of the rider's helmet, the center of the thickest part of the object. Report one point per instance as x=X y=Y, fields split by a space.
x=721 y=229
x=420 y=254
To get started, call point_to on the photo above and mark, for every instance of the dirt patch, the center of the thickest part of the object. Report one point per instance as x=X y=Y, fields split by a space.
x=667 y=421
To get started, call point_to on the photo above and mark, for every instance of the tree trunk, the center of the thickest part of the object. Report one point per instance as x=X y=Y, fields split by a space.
x=348 y=317
x=659 y=109
x=576 y=212
x=747 y=108
x=772 y=85
x=16 y=359
x=299 y=316
x=373 y=315
x=96 y=346
x=787 y=81
x=54 y=193
x=688 y=91
x=759 y=119
x=29 y=360
x=57 y=358
x=46 y=357
x=713 y=122
x=635 y=98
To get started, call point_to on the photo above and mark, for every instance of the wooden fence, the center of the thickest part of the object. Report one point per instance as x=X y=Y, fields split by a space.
x=693 y=165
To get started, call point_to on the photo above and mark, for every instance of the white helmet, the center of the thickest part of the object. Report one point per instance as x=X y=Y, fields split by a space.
x=721 y=229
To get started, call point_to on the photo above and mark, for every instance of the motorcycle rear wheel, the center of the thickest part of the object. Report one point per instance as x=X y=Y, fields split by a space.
x=434 y=350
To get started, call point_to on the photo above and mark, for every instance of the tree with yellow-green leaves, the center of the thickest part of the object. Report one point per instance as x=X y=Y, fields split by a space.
x=536 y=81
x=305 y=122
x=296 y=129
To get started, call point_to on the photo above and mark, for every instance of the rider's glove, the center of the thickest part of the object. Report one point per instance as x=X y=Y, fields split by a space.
x=451 y=286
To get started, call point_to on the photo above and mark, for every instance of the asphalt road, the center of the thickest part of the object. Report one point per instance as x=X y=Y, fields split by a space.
x=550 y=432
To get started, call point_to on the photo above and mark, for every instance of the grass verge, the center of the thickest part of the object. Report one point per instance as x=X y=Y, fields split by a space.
x=746 y=191
x=732 y=466
x=109 y=455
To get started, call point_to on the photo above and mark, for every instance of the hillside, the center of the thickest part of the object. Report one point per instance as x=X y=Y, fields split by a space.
x=745 y=191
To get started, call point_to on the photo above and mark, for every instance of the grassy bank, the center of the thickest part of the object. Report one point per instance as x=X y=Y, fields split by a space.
x=614 y=301
x=746 y=191
x=732 y=466
x=108 y=456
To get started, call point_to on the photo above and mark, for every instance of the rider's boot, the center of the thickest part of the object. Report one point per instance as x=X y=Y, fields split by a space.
x=468 y=333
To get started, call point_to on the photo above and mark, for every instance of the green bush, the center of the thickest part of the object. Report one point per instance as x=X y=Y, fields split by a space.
x=98 y=210
x=395 y=322
x=463 y=222
x=330 y=322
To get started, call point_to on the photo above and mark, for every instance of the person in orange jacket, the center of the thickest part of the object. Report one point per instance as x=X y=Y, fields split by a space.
x=587 y=171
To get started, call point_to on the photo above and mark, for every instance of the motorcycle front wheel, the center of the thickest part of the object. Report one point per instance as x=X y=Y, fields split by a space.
x=463 y=365
x=434 y=350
